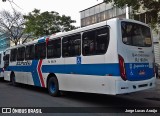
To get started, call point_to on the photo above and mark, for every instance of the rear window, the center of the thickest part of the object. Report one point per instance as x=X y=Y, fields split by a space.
x=136 y=35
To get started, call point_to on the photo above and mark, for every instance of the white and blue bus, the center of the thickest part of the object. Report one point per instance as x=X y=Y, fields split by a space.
x=1 y=65
x=112 y=57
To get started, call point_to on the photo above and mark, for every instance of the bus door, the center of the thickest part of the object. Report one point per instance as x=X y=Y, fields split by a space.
x=1 y=65
x=135 y=52
x=6 y=61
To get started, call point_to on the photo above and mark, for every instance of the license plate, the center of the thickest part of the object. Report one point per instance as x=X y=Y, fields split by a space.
x=141 y=72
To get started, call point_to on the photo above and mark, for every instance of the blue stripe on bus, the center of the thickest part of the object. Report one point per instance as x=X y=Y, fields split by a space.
x=133 y=71
x=35 y=75
x=84 y=69
x=41 y=40
x=32 y=68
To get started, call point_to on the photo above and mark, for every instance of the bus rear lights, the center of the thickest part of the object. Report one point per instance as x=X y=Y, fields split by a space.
x=122 y=68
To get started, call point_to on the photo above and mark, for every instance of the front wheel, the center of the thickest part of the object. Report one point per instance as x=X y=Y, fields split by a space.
x=53 y=87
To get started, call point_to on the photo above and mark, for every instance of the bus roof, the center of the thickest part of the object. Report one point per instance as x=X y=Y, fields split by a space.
x=62 y=34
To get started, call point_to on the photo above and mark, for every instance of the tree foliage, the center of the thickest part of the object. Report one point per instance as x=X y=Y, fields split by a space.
x=13 y=24
x=47 y=23
x=152 y=6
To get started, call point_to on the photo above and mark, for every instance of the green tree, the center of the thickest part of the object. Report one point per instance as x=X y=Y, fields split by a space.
x=47 y=23
x=152 y=6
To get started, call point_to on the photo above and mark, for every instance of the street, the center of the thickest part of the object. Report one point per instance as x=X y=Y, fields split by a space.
x=29 y=96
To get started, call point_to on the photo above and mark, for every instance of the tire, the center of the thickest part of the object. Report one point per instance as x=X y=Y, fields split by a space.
x=53 y=87
x=13 y=82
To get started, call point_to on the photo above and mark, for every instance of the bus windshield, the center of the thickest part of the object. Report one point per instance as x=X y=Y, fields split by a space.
x=135 y=34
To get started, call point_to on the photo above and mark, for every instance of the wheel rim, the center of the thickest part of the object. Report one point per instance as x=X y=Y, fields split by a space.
x=52 y=87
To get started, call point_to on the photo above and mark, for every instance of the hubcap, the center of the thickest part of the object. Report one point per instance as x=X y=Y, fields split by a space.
x=52 y=87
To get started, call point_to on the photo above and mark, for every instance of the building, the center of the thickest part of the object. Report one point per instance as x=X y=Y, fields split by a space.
x=4 y=41
x=101 y=12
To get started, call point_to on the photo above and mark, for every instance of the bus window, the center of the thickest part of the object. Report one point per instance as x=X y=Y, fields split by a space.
x=29 y=54
x=20 y=54
x=71 y=46
x=13 y=56
x=136 y=35
x=95 y=42
x=40 y=50
x=54 y=49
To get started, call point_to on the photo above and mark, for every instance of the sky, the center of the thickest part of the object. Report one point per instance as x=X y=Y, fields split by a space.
x=70 y=8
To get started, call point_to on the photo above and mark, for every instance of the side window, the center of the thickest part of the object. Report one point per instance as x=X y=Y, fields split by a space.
x=21 y=54
x=40 y=51
x=95 y=42
x=29 y=55
x=54 y=49
x=71 y=46
x=13 y=55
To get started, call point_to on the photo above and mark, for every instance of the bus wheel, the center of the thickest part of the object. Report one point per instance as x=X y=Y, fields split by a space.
x=53 y=87
x=13 y=82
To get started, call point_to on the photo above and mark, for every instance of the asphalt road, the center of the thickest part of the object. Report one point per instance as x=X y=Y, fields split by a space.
x=29 y=96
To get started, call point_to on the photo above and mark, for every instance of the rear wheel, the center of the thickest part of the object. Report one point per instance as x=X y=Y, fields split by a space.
x=53 y=87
